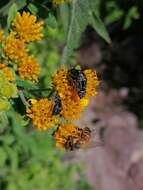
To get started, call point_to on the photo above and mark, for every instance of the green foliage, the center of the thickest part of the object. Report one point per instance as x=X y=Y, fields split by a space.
x=113 y=11
x=132 y=14
x=11 y=15
x=4 y=104
x=82 y=15
x=29 y=160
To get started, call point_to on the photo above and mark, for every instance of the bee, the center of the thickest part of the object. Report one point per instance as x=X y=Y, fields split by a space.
x=57 y=105
x=82 y=140
x=71 y=138
x=78 y=80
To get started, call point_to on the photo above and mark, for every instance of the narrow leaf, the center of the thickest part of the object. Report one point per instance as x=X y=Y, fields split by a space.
x=82 y=15
x=11 y=15
x=99 y=27
x=32 y=8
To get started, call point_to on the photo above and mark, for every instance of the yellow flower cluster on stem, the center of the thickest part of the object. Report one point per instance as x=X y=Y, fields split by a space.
x=29 y=69
x=7 y=71
x=72 y=105
x=41 y=114
x=27 y=28
x=14 y=48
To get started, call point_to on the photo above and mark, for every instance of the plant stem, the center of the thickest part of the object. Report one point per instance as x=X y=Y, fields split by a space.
x=21 y=95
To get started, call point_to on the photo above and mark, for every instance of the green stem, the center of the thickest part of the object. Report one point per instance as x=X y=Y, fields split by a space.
x=21 y=95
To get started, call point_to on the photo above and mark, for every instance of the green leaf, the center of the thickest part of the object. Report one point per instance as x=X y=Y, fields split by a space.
x=2 y=157
x=113 y=16
x=99 y=27
x=11 y=15
x=38 y=9
x=3 y=121
x=82 y=15
x=65 y=16
x=21 y=4
x=51 y=21
x=32 y=8
x=25 y=84
x=78 y=23
x=132 y=14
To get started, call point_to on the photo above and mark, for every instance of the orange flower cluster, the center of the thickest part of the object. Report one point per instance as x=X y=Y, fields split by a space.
x=41 y=114
x=7 y=71
x=25 y=29
x=67 y=105
x=29 y=69
x=68 y=96
x=72 y=104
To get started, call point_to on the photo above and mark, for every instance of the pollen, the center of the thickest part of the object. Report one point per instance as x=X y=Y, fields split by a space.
x=84 y=102
x=92 y=83
x=40 y=113
x=7 y=71
x=14 y=48
x=27 y=27
x=71 y=103
x=29 y=69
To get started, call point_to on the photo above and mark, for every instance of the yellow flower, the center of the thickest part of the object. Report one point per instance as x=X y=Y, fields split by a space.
x=7 y=71
x=41 y=114
x=1 y=35
x=58 y=1
x=7 y=89
x=14 y=48
x=72 y=106
x=29 y=69
x=63 y=132
x=27 y=28
x=92 y=83
x=4 y=104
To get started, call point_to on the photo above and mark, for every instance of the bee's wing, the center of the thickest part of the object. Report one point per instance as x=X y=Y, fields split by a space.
x=98 y=132
x=92 y=144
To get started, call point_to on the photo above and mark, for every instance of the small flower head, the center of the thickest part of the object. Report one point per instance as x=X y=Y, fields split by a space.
x=92 y=83
x=4 y=104
x=27 y=28
x=29 y=69
x=63 y=133
x=41 y=114
x=7 y=89
x=72 y=106
x=14 y=48
x=7 y=71
x=1 y=35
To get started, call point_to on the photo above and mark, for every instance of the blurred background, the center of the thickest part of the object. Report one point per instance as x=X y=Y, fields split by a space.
x=29 y=160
